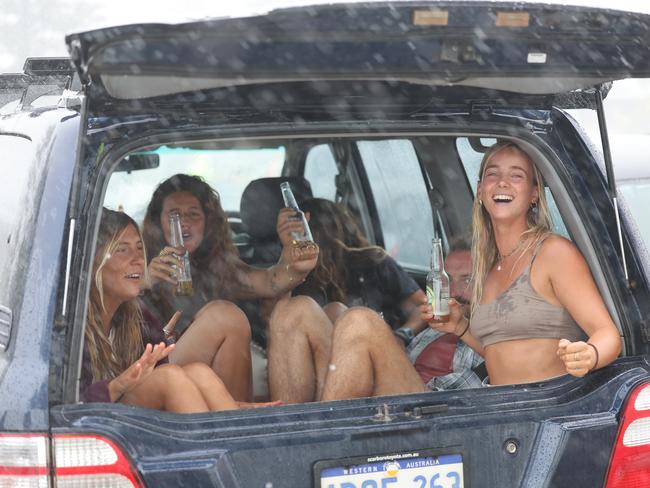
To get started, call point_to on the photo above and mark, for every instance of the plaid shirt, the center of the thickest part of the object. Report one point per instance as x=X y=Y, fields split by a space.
x=465 y=358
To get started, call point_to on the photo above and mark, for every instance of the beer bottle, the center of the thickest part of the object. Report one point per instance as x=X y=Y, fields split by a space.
x=183 y=274
x=300 y=239
x=438 y=284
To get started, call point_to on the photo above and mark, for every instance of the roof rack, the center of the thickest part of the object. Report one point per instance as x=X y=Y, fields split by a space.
x=41 y=77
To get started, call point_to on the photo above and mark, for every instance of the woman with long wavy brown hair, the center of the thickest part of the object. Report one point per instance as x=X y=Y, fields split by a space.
x=350 y=271
x=122 y=352
x=536 y=312
x=212 y=329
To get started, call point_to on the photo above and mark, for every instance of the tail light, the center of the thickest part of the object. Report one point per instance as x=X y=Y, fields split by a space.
x=629 y=465
x=77 y=461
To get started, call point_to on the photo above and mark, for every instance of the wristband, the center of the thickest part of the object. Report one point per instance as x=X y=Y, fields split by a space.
x=405 y=334
x=466 y=329
x=597 y=356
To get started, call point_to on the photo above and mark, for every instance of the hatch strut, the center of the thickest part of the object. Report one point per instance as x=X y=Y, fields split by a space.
x=609 y=168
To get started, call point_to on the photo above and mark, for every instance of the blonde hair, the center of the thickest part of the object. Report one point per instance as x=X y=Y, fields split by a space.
x=110 y=356
x=484 y=249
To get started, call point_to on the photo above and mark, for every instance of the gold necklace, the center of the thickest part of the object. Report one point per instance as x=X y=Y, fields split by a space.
x=505 y=256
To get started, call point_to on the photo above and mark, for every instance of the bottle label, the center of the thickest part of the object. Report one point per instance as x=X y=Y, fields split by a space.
x=438 y=298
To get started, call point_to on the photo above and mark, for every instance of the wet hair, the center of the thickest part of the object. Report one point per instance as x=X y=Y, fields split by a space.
x=484 y=249
x=215 y=259
x=110 y=356
x=341 y=243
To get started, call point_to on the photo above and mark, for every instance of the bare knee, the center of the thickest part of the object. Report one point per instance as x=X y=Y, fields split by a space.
x=359 y=323
x=201 y=372
x=228 y=317
x=170 y=373
x=292 y=313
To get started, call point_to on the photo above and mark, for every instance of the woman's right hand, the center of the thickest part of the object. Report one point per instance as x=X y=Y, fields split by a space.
x=163 y=267
x=139 y=371
x=456 y=323
x=288 y=222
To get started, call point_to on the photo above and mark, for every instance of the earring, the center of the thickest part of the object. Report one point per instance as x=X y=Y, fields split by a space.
x=533 y=206
x=480 y=202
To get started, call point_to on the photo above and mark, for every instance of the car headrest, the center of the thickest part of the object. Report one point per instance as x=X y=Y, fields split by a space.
x=262 y=200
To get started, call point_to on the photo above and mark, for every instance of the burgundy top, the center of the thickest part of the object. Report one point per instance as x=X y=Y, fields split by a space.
x=98 y=392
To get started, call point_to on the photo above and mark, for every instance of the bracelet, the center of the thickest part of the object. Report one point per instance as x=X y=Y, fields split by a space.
x=597 y=355
x=466 y=329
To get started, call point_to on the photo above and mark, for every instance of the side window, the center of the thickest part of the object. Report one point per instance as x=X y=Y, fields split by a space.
x=321 y=171
x=471 y=160
x=16 y=220
x=400 y=194
x=227 y=170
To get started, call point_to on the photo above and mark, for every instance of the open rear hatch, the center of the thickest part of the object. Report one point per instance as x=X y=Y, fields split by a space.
x=533 y=49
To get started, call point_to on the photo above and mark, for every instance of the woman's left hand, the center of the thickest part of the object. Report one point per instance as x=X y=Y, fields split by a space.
x=579 y=357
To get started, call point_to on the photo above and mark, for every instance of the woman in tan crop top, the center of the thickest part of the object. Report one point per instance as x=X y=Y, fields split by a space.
x=536 y=311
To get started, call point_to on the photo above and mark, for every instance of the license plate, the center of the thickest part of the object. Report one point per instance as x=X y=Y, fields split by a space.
x=406 y=470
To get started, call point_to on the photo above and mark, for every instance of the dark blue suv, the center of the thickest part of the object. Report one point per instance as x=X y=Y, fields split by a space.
x=387 y=107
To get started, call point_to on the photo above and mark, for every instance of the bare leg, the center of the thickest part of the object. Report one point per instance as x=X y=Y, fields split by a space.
x=167 y=388
x=219 y=337
x=211 y=387
x=300 y=337
x=334 y=310
x=367 y=360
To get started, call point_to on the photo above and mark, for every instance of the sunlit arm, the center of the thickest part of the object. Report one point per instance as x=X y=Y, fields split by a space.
x=272 y=282
x=574 y=287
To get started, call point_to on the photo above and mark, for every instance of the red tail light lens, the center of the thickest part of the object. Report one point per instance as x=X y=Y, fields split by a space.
x=79 y=461
x=629 y=466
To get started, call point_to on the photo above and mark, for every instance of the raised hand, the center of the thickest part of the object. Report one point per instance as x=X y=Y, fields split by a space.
x=455 y=325
x=299 y=256
x=579 y=357
x=288 y=223
x=163 y=267
x=140 y=370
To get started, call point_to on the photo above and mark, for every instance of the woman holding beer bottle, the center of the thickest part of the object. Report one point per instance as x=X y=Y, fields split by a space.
x=123 y=357
x=212 y=329
x=536 y=312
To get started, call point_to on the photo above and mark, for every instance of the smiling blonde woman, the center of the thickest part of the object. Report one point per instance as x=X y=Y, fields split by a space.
x=536 y=312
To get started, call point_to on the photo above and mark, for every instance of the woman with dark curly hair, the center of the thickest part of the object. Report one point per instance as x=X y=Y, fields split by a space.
x=212 y=329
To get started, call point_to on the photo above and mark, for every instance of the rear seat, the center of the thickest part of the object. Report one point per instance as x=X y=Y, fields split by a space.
x=260 y=203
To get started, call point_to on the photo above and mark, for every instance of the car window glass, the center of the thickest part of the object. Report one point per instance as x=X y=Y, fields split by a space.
x=637 y=196
x=228 y=171
x=321 y=171
x=629 y=138
x=471 y=160
x=400 y=194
